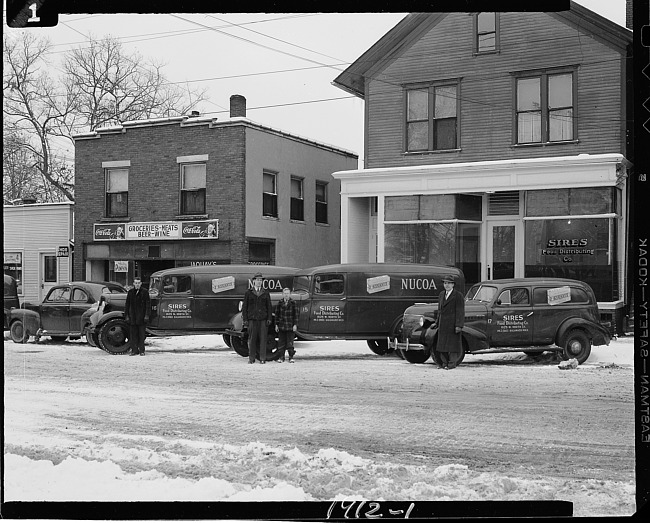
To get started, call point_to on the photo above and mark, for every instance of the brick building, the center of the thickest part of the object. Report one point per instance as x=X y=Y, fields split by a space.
x=190 y=190
x=500 y=143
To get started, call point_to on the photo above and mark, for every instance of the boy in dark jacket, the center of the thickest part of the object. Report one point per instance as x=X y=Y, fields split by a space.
x=286 y=324
x=257 y=312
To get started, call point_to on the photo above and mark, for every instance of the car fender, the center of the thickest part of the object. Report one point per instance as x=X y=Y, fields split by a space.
x=31 y=320
x=598 y=334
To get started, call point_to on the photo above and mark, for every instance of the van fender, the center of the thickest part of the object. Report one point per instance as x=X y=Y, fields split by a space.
x=598 y=334
x=31 y=320
x=108 y=316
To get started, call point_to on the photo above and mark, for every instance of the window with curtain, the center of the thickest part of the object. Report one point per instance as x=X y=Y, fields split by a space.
x=193 y=184
x=269 y=195
x=297 y=199
x=117 y=192
x=545 y=108
x=431 y=118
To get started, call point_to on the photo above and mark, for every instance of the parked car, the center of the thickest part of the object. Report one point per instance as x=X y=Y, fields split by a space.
x=530 y=315
x=59 y=314
x=187 y=300
x=10 y=298
x=359 y=301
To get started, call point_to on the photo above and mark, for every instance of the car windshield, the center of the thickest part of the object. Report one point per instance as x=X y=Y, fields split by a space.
x=484 y=293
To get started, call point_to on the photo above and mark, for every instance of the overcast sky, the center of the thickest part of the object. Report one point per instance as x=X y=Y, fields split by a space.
x=284 y=64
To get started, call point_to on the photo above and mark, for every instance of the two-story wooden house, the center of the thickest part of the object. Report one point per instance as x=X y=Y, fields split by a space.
x=499 y=143
x=195 y=190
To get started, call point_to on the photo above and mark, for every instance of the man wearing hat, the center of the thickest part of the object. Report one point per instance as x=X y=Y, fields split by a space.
x=451 y=318
x=257 y=314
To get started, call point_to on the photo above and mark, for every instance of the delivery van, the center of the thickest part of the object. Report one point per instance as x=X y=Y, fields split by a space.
x=192 y=300
x=362 y=301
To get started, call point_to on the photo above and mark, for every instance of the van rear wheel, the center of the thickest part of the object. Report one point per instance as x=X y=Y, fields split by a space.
x=576 y=345
x=379 y=347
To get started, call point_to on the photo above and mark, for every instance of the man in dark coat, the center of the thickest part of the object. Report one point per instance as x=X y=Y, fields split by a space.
x=257 y=312
x=136 y=313
x=451 y=318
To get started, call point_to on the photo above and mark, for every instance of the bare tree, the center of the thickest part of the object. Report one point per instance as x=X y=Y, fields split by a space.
x=100 y=85
x=34 y=104
x=111 y=86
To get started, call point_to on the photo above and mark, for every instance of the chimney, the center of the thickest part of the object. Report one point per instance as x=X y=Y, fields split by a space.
x=628 y=14
x=194 y=114
x=237 y=106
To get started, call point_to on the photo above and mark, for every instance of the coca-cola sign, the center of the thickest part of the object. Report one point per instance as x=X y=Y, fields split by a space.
x=204 y=229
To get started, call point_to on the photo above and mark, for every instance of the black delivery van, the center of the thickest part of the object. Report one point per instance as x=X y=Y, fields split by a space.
x=192 y=300
x=362 y=301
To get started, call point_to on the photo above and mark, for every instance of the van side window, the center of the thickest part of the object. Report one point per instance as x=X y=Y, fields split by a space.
x=578 y=295
x=177 y=284
x=517 y=296
x=328 y=284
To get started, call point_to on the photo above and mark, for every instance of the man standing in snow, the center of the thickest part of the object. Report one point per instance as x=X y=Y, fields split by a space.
x=451 y=319
x=136 y=313
x=257 y=312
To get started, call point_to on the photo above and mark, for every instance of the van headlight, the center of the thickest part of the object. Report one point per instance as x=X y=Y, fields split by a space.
x=241 y=305
x=421 y=321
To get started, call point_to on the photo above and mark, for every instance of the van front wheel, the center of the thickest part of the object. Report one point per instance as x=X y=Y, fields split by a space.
x=379 y=347
x=114 y=337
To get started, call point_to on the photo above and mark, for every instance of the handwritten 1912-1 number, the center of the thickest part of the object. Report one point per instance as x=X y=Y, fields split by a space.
x=371 y=513
x=33 y=18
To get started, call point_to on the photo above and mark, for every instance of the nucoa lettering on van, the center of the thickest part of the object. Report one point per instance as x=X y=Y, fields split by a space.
x=364 y=301
x=194 y=300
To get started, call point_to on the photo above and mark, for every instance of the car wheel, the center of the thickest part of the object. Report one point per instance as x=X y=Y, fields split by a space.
x=272 y=352
x=227 y=340
x=240 y=345
x=379 y=347
x=59 y=339
x=114 y=336
x=576 y=345
x=18 y=333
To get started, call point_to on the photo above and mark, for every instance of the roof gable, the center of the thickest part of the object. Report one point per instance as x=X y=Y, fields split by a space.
x=414 y=25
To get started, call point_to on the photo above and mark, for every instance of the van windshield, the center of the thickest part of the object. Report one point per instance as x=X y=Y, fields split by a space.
x=301 y=283
x=155 y=285
x=484 y=293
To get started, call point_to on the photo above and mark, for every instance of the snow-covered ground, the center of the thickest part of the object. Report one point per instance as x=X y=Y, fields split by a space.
x=94 y=475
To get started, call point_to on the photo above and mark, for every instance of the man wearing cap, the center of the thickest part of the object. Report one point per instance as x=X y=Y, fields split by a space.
x=257 y=314
x=451 y=318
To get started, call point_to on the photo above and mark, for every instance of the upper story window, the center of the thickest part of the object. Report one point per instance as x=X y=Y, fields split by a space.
x=193 y=177
x=297 y=199
x=117 y=192
x=486 y=32
x=431 y=118
x=269 y=194
x=321 y=202
x=545 y=108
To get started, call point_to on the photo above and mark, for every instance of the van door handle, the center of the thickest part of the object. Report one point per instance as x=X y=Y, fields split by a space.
x=344 y=298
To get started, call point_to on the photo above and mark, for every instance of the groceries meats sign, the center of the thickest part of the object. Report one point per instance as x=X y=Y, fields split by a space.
x=204 y=229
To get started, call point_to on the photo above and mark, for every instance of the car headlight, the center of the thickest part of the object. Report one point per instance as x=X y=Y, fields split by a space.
x=421 y=321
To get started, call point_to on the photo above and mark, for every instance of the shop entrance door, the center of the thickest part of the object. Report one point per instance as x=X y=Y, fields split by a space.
x=504 y=249
x=48 y=274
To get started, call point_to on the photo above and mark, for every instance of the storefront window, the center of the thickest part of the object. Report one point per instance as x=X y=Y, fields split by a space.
x=567 y=202
x=581 y=249
x=13 y=266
